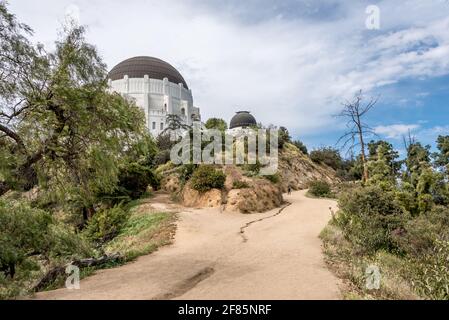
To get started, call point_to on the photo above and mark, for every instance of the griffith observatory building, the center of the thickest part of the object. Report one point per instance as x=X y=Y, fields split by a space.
x=157 y=87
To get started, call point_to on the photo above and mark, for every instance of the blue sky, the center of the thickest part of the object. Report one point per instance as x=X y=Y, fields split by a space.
x=290 y=63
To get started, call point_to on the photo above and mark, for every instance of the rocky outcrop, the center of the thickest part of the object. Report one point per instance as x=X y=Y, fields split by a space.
x=297 y=170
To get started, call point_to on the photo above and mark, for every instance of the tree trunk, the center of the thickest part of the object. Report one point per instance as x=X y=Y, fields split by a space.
x=52 y=274
x=362 y=150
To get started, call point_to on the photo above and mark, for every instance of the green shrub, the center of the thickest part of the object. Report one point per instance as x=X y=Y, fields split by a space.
x=431 y=278
x=238 y=184
x=328 y=156
x=319 y=188
x=274 y=178
x=251 y=169
x=161 y=157
x=419 y=236
x=27 y=236
x=369 y=216
x=134 y=180
x=186 y=172
x=301 y=146
x=23 y=230
x=106 y=224
x=206 y=177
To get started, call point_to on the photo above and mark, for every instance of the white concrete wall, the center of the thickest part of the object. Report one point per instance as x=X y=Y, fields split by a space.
x=157 y=98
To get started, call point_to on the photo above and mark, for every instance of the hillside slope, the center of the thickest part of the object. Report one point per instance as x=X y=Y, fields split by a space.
x=244 y=190
x=297 y=170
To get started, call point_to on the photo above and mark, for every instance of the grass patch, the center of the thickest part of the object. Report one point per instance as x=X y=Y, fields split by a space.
x=143 y=234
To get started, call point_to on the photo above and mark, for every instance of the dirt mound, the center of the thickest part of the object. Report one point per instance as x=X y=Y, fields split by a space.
x=208 y=199
x=246 y=193
x=260 y=197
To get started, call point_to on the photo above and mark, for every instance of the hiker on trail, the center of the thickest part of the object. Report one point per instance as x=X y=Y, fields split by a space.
x=289 y=190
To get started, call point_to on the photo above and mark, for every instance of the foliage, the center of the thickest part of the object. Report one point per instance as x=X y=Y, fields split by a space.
x=28 y=235
x=350 y=170
x=134 y=180
x=142 y=234
x=162 y=157
x=380 y=171
x=216 y=123
x=164 y=142
x=328 y=156
x=61 y=127
x=418 y=158
x=419 y=234
x=319 y=188
x=442 y=158
x=174 y=125
x=283 y=137
x=432 y=272
x=239 y=184
x=368 y=217
x=386 y=151
x=273 y=178
x=301 y=146
x=186 y=172
x=106 y=224
x=206 y=177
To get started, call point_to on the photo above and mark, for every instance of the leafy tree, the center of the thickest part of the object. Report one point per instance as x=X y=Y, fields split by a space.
x=380 y=171
x=216 y=123
x=283 y=137
x=442 y=158
x=418 y=159
x=389 y=154
x=174 y=125
x=60 y=125
x=328 y=156
x=26 y=232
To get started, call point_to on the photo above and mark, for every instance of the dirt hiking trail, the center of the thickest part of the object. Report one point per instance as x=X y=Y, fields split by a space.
x=222 y=255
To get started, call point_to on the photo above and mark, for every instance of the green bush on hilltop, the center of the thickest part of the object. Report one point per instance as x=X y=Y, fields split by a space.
x=206 y=177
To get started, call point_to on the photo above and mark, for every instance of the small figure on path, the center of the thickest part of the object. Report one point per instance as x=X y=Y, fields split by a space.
x=289 y=190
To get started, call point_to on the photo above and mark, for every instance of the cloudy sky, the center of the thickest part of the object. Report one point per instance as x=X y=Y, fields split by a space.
x=290 y=62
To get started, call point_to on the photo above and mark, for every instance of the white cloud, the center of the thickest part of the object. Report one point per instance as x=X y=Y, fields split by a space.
x=395 y=131
x=287 y=71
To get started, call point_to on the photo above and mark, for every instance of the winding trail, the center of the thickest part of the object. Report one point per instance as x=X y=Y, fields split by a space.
x=272 y=255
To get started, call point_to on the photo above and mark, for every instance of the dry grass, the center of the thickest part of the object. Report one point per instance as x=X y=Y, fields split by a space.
x=350 y=265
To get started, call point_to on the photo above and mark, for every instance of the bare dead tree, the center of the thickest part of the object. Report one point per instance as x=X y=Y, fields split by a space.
x=354 y=111
x=408 y=140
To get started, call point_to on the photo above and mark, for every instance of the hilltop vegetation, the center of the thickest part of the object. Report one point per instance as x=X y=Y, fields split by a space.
x=394 y=216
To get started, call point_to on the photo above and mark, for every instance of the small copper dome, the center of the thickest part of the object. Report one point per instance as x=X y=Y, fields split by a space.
x=242 y=119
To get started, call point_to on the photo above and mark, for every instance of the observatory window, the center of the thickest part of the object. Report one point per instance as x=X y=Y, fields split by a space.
x=154 y=125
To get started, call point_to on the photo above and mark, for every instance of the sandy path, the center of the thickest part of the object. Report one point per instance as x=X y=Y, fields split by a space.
x=278 y=257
